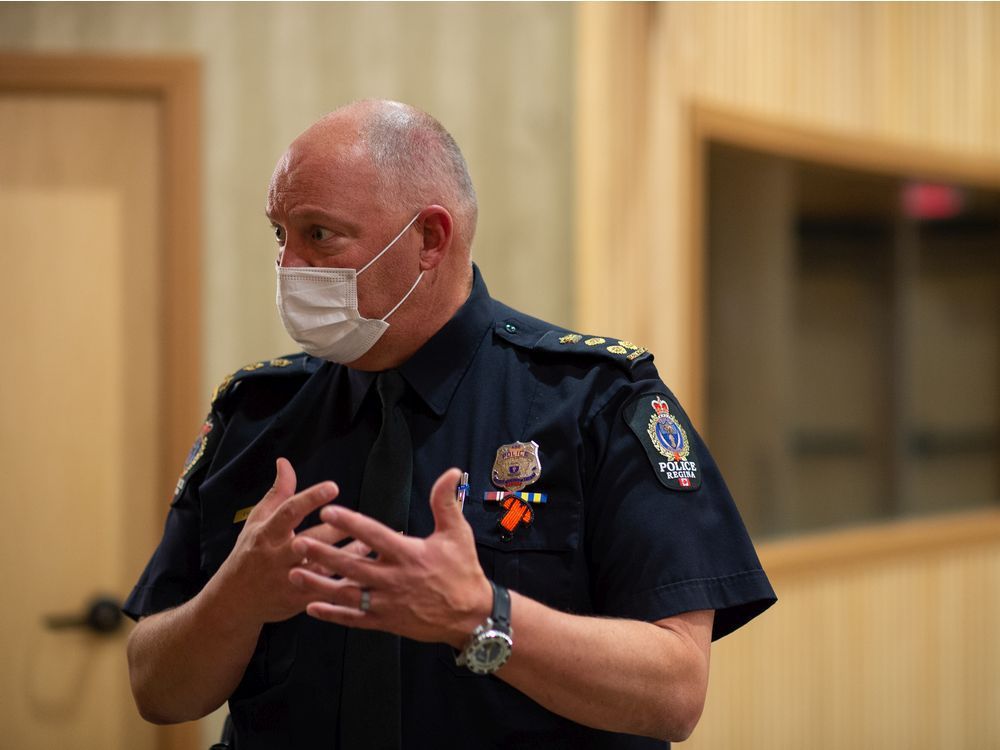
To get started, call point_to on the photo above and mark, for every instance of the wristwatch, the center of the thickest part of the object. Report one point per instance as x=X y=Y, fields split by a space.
x=491 y=643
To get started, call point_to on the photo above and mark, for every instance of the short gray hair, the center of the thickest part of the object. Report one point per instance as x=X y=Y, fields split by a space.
x=416 y=160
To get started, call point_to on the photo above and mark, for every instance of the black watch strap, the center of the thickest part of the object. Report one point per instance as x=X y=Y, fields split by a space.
x=501 y=608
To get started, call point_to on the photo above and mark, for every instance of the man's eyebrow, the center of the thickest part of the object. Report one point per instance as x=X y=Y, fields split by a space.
x=310 y=213
x=317 y=215
x=307 y=213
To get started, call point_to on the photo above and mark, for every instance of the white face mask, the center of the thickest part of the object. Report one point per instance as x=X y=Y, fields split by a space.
x=319 y=308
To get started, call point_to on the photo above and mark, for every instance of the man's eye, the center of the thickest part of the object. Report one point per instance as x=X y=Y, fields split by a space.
x=318 y=234
x=279 y=234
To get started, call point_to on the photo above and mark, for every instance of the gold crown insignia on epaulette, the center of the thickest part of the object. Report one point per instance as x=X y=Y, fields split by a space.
x=626 y=349
x=221 y=388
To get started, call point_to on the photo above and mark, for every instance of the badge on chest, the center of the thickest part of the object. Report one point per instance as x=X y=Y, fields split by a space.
x=516 y=466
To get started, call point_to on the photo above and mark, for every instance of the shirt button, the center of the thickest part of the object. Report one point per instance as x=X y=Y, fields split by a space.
x=511 y=328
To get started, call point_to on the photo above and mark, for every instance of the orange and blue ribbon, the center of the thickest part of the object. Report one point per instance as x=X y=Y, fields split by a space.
x=528 y=497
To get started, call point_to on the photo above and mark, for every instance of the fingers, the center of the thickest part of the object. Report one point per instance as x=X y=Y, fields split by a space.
x=338 y=600
x=357 y=547
x=346 y=615
x=325 y=536
x=447 y=512
x=282 y=489
x=376 y=535
x=314 y=567
x=346 y=561
x=292 y=511
x=325 y=533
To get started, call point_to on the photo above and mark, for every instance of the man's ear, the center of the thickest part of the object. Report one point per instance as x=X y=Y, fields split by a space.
x=437 y=235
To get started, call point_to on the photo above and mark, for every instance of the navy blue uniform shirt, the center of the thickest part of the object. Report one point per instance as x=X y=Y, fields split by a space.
x=637 y=521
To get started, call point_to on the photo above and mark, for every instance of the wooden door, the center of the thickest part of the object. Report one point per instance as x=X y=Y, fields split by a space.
x=85 y=413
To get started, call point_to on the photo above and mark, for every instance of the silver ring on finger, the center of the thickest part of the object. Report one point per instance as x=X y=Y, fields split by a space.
x=366 y=600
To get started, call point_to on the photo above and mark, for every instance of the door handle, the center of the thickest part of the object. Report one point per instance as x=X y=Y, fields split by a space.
x=103 y=615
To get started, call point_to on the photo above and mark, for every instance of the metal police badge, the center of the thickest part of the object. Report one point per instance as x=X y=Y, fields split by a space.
x=665 y=440
x=516 y=466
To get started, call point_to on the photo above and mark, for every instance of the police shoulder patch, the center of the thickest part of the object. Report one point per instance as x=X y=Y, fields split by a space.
x=195 y=456
x=662 y=429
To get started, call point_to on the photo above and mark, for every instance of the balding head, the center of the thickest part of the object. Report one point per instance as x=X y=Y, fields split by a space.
x=415 y=160
x=368 y=177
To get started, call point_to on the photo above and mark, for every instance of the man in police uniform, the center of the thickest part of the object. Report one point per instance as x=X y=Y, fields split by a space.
x=563 y=593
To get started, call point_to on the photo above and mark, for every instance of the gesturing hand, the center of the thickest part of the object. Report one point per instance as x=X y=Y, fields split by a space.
x=255 y=575
x=429 y=589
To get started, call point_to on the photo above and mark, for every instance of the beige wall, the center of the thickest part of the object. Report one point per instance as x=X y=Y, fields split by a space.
x=896 y=653
x=499 y=76
x=882 y=638
x=891 y=651
x=515 y=84
x=919 y=75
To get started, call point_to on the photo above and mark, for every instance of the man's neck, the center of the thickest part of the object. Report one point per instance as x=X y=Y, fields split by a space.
x=415 y=329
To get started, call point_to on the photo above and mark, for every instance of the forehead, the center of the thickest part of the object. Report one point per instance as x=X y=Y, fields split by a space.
x=331 y=174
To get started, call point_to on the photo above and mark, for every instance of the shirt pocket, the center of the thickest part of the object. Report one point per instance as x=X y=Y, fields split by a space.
x=540 y=558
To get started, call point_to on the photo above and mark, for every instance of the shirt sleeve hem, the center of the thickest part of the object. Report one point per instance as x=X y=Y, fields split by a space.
x=736 y=599
x=146 y=600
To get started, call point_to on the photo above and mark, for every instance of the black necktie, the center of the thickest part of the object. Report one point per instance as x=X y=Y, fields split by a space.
x=370 y=694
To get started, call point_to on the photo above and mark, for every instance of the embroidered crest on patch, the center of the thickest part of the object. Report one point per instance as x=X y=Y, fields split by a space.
x=665 y=440
x=194 y=455
x=666 y=433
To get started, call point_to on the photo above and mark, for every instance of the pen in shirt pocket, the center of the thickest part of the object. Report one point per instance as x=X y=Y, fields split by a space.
x=462 y=490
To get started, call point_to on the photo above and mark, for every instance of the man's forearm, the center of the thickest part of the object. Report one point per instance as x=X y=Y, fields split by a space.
x=613 y=674
x=617 y=675
x=185 y=662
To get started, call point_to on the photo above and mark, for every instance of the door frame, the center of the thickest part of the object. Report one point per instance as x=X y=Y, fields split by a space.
x=175 y=84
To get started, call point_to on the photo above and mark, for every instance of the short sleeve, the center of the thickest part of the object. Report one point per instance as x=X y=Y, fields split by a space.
x=173 y=574
x=663 y=532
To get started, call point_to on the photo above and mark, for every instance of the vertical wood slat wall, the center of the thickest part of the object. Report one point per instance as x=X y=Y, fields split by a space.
x=497 y=75
x=901 y=655
x=892 y=651
x=921 y=76
x=882 y=638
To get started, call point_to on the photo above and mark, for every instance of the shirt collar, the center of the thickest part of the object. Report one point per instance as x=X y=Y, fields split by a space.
x=436 y=369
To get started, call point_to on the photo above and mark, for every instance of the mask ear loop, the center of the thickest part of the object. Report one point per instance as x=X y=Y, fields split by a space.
x=386 y=248
x=419 y=276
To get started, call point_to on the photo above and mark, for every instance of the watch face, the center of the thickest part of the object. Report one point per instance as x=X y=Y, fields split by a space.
x=490 y=652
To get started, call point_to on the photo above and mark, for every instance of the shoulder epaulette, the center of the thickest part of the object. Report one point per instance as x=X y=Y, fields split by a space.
x=292 y=364
x=528 y=334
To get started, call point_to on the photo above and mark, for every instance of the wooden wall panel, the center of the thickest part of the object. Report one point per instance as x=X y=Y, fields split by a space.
x=864 y=649
x=498 y=75
x=900 y=652
x=919 y=76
